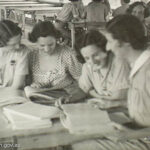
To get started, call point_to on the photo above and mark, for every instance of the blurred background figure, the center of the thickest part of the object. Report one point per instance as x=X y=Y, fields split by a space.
x=122 y=9
x=96 y=11
x=147 y=11
x=70 y=11
x=138 y=9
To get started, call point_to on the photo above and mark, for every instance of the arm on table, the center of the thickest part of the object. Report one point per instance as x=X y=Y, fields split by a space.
x=125 y=133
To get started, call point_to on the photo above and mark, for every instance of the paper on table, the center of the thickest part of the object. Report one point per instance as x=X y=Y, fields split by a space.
x=33 y=111
x=18 y=122
x=11 y=96
x=85 y=119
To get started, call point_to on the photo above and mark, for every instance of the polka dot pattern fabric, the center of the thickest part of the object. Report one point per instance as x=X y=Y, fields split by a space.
x=67 y=69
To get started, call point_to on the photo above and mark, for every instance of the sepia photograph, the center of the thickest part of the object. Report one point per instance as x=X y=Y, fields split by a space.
x=74 y=74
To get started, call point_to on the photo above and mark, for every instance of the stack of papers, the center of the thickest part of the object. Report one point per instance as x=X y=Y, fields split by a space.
x=11 y=96
x=85 y=119
x=30 y=115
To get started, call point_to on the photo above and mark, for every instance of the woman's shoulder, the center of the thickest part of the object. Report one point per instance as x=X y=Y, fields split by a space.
x=33 y=52
x=23 y=50
x=66 y=50
x=119 y=64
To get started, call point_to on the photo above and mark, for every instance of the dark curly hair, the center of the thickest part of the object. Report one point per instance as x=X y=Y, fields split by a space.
x=92 y=37
x=43 y=29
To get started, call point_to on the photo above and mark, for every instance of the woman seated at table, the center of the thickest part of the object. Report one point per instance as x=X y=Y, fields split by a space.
x=52 y=66
x=103 y=76
x=70 y=11
x=133 y=48
x=13 y=56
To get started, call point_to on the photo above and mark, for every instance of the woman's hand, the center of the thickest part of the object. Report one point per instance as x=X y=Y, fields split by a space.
x=119 y=127
x=94 y=94
x=62 y=100
x=116 y=95
x=35 y=85
x=99 y=103
x=107 y=104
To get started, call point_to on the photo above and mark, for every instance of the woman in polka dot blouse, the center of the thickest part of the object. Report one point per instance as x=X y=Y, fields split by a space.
x=52 y=65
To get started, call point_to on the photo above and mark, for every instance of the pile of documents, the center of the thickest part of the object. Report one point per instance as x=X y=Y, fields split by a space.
x=30 y=115
x=85 y=119
x=11 y=96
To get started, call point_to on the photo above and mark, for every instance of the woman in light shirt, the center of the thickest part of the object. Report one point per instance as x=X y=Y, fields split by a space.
x=126 y=39
x=104 y=77
x=13 y=56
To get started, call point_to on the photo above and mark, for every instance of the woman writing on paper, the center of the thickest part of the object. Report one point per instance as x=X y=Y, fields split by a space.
x=52 y=66
x=104 y=77
x=131 y=45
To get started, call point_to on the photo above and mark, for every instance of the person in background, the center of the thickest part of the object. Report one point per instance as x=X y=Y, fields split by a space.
x=96 y=11
x=13 y=56
x=107 y=3
x=122 y=9
x=134 y=48
x=52 y=66
x=138 y=9
x=147 y=10
x=70 y=11
x=104 y=77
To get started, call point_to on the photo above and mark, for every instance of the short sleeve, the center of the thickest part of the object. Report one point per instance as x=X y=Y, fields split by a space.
x=84 y=81
x=121 y=72
x=71 y=62
x=22 y=63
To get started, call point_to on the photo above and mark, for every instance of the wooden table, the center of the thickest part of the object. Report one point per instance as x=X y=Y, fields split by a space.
x=6 y=7
x=86 y=25
x=57 y=135
x=39 y=138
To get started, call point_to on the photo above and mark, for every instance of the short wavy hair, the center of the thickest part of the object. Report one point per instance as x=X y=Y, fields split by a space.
x=43 y=29
x=92 y=37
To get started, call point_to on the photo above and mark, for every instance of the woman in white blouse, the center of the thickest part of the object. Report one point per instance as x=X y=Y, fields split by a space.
x=13 y=56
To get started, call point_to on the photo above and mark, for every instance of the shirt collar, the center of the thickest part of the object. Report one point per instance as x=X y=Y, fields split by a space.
x=141 y=60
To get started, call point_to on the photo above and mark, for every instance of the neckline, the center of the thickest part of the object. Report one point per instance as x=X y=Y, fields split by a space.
x=141 y=60
x=38 y=63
